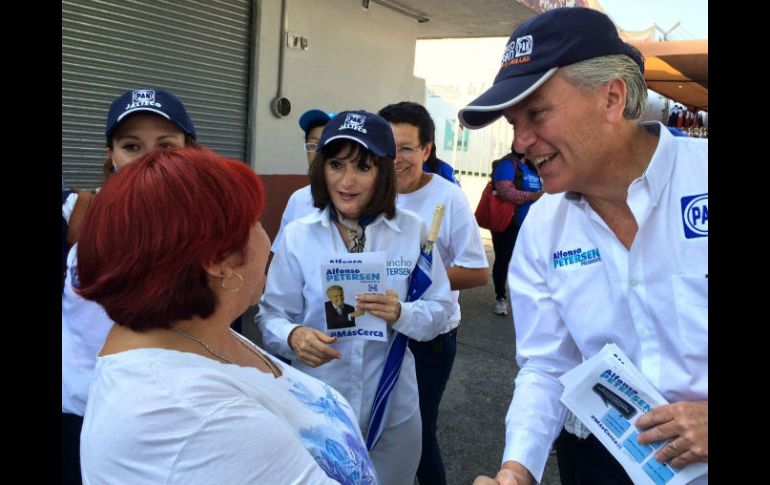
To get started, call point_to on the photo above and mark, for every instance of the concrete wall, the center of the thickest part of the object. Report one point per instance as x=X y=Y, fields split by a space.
x=355 y=59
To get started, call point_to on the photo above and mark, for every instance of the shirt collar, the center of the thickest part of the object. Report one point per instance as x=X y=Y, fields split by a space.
x=324 y=218
x=658 y=171
x=661 y=166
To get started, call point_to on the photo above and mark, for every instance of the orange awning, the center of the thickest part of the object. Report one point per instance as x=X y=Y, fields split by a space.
x=678 y=69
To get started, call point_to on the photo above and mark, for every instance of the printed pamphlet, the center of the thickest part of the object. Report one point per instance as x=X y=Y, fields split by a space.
x=345 y=276
x=608 y=394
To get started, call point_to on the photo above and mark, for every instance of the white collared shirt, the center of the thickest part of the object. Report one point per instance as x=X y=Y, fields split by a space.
x=459 y=237
x=574 y=287
x=299 y=205
x=294 y=296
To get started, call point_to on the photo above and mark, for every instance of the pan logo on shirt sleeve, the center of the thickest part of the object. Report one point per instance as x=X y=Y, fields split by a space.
x=695 y=215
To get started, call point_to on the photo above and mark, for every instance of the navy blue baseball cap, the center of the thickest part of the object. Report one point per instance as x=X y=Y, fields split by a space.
x=312 y=116
x=161 y=103
x=536 y=49
x=365 y=128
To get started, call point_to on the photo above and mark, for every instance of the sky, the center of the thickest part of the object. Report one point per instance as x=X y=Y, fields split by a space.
x=636 y=15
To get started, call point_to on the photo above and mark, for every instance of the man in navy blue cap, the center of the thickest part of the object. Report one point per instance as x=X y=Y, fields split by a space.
x=300 y=202
x=615 y=251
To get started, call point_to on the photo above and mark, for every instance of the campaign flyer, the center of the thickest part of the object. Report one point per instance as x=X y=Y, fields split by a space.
x=345 y=276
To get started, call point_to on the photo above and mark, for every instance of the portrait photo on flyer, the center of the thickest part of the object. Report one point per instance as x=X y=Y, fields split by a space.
x=345 y=276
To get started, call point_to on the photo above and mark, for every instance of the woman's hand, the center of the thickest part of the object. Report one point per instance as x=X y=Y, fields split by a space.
x=311 y=346
x=386 y=306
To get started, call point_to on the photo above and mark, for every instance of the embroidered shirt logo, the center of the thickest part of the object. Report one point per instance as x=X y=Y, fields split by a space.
x=518 y=51
x=354 y=122
x=142 y=97
x=399 y=267
x=574 y=256
x=695 y=215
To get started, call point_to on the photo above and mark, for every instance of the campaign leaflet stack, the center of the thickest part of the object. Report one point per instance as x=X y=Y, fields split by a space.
x=608 y=394
x=348 y=275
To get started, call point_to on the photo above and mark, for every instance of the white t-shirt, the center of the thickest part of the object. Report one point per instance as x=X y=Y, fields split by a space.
x=68 y=206
x=158 y=416
x=459 y=237
x=299 y=205
x=294 y=296
x=84 y=328
x=574 y=287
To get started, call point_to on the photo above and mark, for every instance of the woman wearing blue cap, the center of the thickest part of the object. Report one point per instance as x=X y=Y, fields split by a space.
x=138 y=122
x=352 y=181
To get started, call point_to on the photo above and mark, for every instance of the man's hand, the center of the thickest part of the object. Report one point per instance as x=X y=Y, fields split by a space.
x=511 y=473
x=311 y=346
x=386 y=306
x=687 y=423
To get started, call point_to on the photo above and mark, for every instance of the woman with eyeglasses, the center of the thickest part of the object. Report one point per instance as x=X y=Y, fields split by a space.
x=353 y=183
x=300 y=203
x=461 y=249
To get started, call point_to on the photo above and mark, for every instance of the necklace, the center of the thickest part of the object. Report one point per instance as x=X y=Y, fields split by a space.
x=273 y=369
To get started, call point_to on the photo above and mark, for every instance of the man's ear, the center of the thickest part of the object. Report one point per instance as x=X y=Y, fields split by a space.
x=616 y=92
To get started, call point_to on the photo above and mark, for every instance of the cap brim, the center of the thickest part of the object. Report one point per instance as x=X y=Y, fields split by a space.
x=502 y=95
x=373 y=149
x=142 y=108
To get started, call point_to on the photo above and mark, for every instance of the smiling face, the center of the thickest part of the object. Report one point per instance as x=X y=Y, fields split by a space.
x=557 y=128
x=335 y=296
x=409 y=157
x=141 y=133
x=350 y=177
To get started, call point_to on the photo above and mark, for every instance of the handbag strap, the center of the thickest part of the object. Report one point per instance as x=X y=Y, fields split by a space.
x=78 y=213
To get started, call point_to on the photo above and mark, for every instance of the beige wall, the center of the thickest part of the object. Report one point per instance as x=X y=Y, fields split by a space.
x=356 y=60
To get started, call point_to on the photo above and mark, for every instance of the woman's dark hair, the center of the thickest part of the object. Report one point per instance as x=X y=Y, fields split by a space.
x=416 y=115
x=384 y=197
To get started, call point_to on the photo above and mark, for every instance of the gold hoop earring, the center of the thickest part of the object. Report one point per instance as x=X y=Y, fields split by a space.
x=222 y=283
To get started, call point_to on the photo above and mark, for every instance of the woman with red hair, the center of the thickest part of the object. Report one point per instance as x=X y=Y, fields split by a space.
x=177 y=396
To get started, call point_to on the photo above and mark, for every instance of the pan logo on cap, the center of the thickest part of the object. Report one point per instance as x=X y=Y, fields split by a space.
x=143 y=97
x=355 y=122
x=516 y=51
x=524 y=46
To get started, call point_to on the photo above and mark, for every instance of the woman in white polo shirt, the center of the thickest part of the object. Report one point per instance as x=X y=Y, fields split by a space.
x=138 y=121
x=352 y=180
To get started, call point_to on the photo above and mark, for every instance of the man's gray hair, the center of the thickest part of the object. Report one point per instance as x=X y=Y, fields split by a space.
x=598 y=71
